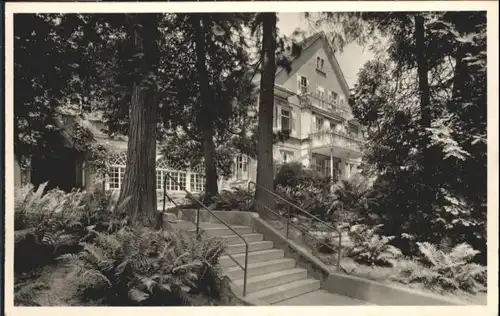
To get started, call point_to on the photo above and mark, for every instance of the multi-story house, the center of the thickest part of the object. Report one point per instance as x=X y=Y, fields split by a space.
x=310 y=102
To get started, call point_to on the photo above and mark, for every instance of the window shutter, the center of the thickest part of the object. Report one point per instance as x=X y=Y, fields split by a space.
x=313 y=125
x=298 y=84
x=307 y=81
x=292 y=122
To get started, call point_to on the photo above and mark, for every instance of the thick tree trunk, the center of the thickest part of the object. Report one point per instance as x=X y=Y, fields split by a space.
x=428 y=193
x=423 y=70
x=139 y=184
x=265 y=172
x=211 y=186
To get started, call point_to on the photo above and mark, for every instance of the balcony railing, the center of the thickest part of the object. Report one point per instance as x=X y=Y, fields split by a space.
x=326 y=105
x=332 y=138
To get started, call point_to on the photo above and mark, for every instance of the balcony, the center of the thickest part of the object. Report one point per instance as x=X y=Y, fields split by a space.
x=325 y=105
x=343 y=144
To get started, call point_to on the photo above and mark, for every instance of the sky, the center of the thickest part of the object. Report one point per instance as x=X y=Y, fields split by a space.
x=350 y=60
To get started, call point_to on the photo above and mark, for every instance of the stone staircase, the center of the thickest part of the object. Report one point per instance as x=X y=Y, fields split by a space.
x=271 y=278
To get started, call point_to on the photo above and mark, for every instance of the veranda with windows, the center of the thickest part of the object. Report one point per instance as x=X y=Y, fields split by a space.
x=191 y=180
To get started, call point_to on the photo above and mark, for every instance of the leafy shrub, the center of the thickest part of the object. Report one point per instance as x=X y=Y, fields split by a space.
x=46 y=224
x=365 y=246
x=352 y=201
x=144 y=267
x=235 y=199
x=451 y=270
x=312 y=199
x=294 y=174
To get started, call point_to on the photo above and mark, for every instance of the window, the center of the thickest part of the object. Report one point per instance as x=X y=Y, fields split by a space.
x=319 y=123
x=241 y=168
x=159 y=179
x=303 y=85
x=172 y=179
x=116 y=172
x=176 y=180
x=353 y=131
x=321 y=93
x=285 y=120
x=331 y=125
x=320 y=62
x=333 y=96
x=275 y=115
x=286 y=156
x=197 y=182
x=84 y=175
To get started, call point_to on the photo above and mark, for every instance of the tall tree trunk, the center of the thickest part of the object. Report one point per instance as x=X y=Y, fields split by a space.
x=211 y=186
x=427 y=194
x=139 y=184
x=423 y=70
x=265 y=171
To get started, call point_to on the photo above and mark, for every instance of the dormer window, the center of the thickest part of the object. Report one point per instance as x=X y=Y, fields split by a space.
x=320 y=62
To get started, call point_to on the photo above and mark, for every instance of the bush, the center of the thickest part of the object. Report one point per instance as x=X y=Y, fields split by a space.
x=147 y=268
x=292 y=175
x=450 y=270
x=365 y=246
x=236 y=199
x=46 y=225
x=352 y=201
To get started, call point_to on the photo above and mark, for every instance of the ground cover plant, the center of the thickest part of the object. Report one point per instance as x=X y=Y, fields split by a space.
x=87 y=254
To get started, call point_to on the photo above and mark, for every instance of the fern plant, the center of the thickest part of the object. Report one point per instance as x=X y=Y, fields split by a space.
x=365 y=246
x=450 y=270
x=46 y=223
x=144 y=267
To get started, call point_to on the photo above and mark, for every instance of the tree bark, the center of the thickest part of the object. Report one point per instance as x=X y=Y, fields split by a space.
x=265 y=172
x=427 y=194
x=423 y=70
x=211 y=186
x=139 y=184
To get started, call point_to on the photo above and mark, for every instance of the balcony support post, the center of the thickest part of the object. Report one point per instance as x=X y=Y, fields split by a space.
x=331 y=169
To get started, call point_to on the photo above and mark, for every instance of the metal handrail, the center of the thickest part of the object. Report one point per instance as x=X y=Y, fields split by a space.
x=290 y=204
x=308 y=233
x=197 y=223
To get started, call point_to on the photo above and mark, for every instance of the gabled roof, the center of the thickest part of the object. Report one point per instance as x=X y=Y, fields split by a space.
x=308 y=42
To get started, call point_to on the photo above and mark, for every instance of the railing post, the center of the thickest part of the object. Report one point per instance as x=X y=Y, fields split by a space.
x=287 y=221
x=198 y=222
x=340 y=250
x=245 y=271
x=164 y=192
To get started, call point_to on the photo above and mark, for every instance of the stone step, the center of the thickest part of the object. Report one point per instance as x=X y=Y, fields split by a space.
x=252 y=246
x=253 y=257
x=234 y=239
x=264 y=267
x=264 y=281
x=285 y=291
x=190 y=226
x=224 y=231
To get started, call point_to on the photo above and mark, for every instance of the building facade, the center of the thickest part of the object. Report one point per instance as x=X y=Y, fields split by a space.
x=311 y=102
